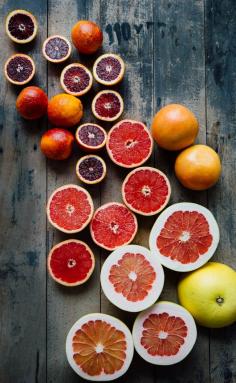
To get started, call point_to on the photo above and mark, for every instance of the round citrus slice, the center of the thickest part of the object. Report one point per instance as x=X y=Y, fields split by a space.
x=19 y=69
x=109 y=69
x=56 y=49
x=113 y=225
x=70 y=208
x=146 y=190
x=129 y=143
x=99 y=347
x=21 y=26
x=71 y=262
x=107 y=105
x=91 y=169
x=164 y=334
x=76 y=79
x=132 y=278
x=184 y=236
x=91 y=137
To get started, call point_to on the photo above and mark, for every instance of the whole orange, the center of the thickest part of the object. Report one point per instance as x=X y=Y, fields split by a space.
x=57 y=143
x=32 y=103
x=174 y=127
x=198 y=167
x=65 y=110
x=87 y=37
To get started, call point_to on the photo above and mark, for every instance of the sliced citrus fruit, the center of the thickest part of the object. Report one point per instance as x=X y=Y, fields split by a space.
x=146 y=190
x=71 y=262
x=76 y=79
x=113 y=225
x=19 y=69
x=129 y=143
x=109 y=69
x=107 y=105
x=132 y=278
x=164 y=334
x=21 y=26
x=91 y=137
x=70 y=208
x=99 y=347
x=184 y=236
x=91 y=169
x=56 y=49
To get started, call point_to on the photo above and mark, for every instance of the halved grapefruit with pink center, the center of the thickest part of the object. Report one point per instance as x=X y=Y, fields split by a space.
x=132 y=278
x=99 y=347
x=184 y=237
x=70 y=208
x=113 y=225
x=71 y=262
x=129 y=143
x=164 y=334
x=146 y=190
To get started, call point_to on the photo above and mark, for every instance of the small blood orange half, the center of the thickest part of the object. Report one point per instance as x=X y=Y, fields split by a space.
x=91 y=169
x=76 y=79
x=132 y=278
x=164 y=334
x=109 y=69
x=70 y=208
x=129 y=143
x=91 y=137
x=99 y=347
x=19 y=69
x=146 y=190
x=113 y=225
x=71 y=262
x=21 y=26
x=107 y=105
x=184 y=236
x=56 y=49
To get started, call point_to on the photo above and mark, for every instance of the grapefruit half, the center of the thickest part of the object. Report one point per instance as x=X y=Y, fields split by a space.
x=184 y=236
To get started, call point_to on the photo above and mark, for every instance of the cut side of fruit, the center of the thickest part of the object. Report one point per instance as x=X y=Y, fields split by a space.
x=109 y=69
x=184 y=237
x=107 y=105
x=21 y=26
x=70 y=208
x=146 y=190
x=71 y=262
x=91 y=137
x=56 y=49
x=91 y=169
x=132 y=278
x=76 y=79
x=129 y=143
x=99 y=347
x=19 y=69
x=113 y=225
x=164 y=334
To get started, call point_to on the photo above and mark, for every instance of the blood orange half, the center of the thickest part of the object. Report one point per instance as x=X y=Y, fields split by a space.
x=107 y=105
x=76 y=79
x=164 y=334
x=71 y=262
x=146 y=190
x=99 y=347
x=129 y=143
x=70 y=208
x=113 y=225
x=91 y=137
x=132 y=278
x=109 y=69
x=184 y=237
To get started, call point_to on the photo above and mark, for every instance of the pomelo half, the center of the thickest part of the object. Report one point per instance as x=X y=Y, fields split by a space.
x=132 y=278
x=99 y=347
x=164 y=334
x=184 y=236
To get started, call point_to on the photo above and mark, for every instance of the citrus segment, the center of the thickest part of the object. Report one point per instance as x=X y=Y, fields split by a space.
x=56 y=48
x=91 y=136
x=109 y=69
x=107 y=105
x=76 y=79
x=21 y=26
x=19 y=69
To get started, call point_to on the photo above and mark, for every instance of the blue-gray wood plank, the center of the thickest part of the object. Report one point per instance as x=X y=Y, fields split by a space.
x=175 y=51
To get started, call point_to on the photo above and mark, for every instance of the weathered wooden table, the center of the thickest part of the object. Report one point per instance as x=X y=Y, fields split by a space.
x=176 y=51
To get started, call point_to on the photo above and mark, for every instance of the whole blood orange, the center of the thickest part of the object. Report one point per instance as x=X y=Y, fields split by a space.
x=65 y=110
x=32 y=103
x=86 y=36
x=57 y=143
x=198 y=167
x=174 y=127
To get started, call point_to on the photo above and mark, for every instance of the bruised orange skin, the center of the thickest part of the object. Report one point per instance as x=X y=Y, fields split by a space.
x=198 y=167
x=174 y=127
x=32 y=103
x=65 y=110
x=57 y=144
x=87 y=37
